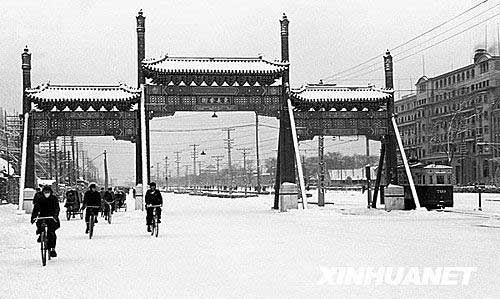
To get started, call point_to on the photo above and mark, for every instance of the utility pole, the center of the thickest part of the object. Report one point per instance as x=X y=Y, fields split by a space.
x=64 y=161
x=187 y=175
x=321 y=171
x=68 y=170
x=178 y=161
x=73 y=166
x=166 y=172
x=218 y=159
x=304 y=158
x=84 y=175
x=257 y=150
x=56 y=165
x=195 y=156
x=105 y=170
x=368 y=173
x=50 y=159
x=229 y=146
x=244 y=151
x=77 y=163
x=199 y=173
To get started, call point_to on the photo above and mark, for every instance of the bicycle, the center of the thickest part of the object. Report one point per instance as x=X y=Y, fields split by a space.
x=43 y=237
x=108 y=212
x=92 y=220
x=154 y=224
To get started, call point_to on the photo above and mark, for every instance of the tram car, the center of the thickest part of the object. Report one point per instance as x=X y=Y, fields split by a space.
x=433 y=184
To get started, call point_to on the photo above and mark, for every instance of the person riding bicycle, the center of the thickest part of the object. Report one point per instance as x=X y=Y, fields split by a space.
x=153 y=197
x=91 y=198
x=109 y=202
x=47 y=206
x=72 y=201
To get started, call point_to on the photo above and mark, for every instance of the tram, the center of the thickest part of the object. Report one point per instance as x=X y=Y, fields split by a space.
x=433 y=184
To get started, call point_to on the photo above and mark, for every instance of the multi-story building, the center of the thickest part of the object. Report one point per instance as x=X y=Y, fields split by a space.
x=454 y=119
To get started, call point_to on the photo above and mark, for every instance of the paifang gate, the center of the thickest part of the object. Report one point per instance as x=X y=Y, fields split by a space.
x=169 y=84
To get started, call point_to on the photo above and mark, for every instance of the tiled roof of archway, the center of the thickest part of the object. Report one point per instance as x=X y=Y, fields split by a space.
x=215 y=65
x=330 y=93
x=98 y=93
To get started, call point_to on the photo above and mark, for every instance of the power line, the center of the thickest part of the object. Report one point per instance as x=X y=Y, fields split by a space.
x=407 y=42
x=458 y=33
x=379 y=67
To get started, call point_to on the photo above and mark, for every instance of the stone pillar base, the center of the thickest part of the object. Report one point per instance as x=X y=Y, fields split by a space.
x=288 y=197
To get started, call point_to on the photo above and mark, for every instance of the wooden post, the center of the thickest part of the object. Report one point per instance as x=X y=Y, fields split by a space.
x=379 y=176
x=143 y=140
x=22 y=179
x=140 y=22
x=297 y=156
x=286 y=150
x=321 y=171
x=30 y=171
x=368 y=185
x=405 y=161
x=257 y=151
x=391 y=154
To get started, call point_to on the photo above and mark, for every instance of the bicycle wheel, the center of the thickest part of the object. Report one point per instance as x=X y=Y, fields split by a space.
x=68 y=214
x=91 y=226
x=43 y=247
x=157 y=227
x=153 y=226
x=109 y=217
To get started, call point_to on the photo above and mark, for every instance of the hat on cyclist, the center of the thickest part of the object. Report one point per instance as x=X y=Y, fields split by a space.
x=46 y=188
x=152 y=184
x=92 y=186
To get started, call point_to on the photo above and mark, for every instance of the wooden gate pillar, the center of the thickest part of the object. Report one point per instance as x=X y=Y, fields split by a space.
x=286 y=157
x=391 y=142
x=140 y=80
x=30 y=149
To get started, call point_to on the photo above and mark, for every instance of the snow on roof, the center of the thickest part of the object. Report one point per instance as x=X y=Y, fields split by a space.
x=44 y=182
x=221 y=65
x=334 y=93
x=49 y=92
x=434 y=166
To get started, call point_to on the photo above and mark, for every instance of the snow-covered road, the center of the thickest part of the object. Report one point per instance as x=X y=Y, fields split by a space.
x=215 y=248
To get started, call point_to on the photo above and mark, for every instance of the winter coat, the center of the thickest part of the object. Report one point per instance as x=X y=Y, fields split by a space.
x=92 y=198
x=46 y=207
x=108 y=197
x=37 y=197
x=153 y=197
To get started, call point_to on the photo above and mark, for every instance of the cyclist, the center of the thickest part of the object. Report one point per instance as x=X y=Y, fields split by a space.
x=47 y=206
x=153 y=197
x=109 y=202
x=91 y=198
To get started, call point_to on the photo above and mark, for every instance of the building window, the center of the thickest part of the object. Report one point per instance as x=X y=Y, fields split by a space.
x=483 y=67
x=467 y=75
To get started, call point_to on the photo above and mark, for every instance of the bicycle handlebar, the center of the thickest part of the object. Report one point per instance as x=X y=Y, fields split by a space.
x=43 y=218
x=95 y=207
x=154 y=206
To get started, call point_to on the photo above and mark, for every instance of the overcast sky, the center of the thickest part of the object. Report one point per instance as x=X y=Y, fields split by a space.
x=94 y=42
